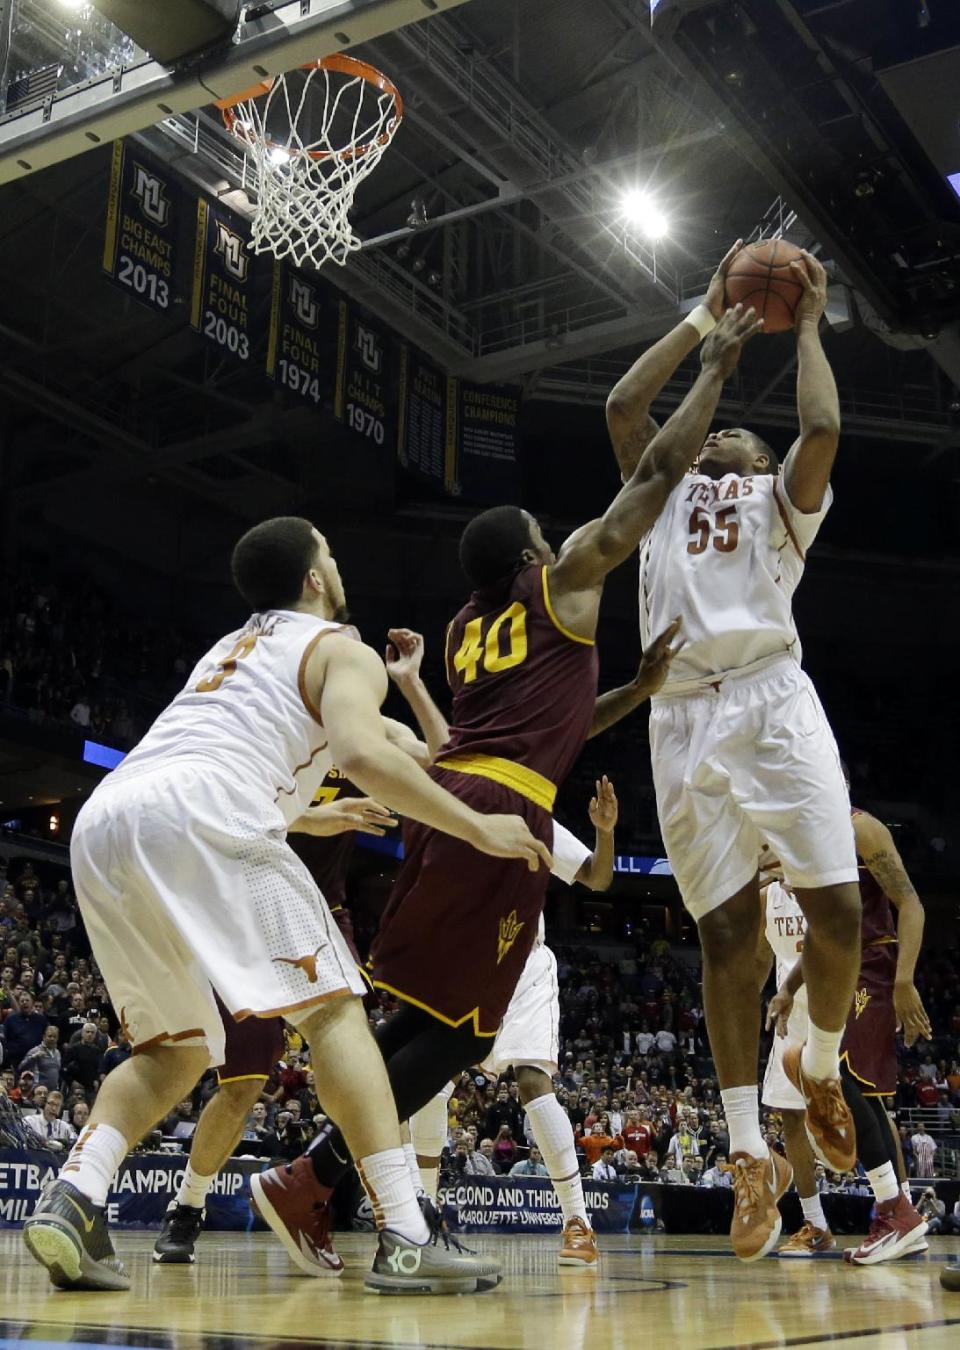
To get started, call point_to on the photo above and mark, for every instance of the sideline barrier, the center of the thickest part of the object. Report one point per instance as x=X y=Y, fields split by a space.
x=530 y=1205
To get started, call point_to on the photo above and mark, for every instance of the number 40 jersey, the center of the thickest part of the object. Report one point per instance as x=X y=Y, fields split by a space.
x=524 y=686
x=727 y=556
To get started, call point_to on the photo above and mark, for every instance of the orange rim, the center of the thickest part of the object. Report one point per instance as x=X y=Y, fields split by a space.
x=341 y=65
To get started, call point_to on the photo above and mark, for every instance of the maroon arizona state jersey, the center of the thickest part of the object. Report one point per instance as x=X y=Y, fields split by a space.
x=524 y=687
x=328 y=857
x=877 y=924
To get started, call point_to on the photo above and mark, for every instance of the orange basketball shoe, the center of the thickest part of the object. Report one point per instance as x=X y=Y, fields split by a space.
x=758 y=1184
x=578 y=1246
x=829 y=1123
x=808 y=1241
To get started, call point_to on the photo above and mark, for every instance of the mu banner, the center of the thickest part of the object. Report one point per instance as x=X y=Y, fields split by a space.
x=223 y=308
x=295 y=347
x=363 y=400
x=142 y=245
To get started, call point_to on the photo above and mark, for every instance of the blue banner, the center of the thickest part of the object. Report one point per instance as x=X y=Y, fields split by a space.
x=530 y=1205
x=145 y=1185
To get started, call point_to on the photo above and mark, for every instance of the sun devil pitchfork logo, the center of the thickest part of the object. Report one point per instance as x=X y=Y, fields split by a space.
x=860 y=1001
x=230 y=247
x=303 y=302
x=150 y=191
x=509 y=932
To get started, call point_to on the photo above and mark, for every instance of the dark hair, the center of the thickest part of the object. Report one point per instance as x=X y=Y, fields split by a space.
x=492 y=544
x=270 y=562
x=769 y=451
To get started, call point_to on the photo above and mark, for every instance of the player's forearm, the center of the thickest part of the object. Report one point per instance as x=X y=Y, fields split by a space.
x=910 y=919
x=630 y=399
x=810 y=463
x=601 y=862
x=795 y=979
x=384 y=772
x=616 y=704
x=430 y=719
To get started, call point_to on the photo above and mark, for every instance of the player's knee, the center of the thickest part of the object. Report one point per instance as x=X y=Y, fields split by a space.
x=532 y=1083
x=724 y=937
x=834 y=914
x=240 y=1093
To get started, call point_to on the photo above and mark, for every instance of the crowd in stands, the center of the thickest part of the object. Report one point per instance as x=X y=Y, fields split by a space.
x=636 y=1076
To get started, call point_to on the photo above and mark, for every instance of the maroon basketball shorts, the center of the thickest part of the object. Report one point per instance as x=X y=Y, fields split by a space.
x=253 y=1047
x=869 y=1046
x=459 y=925
x=344 y=921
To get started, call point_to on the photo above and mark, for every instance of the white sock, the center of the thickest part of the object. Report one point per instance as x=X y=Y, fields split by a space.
x=821 y=1055
x=428 y=1134
x=386 y=1180
x=813 y=1212
x=741 y=1106
x=554 y=1135
x=883 y=1182
x=193 y=1188
x=94 y=1161
x=905 y=1187
x=413 y=1167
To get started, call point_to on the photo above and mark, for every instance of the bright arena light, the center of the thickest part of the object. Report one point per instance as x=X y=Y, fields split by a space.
x=72 y=4
x=279 y=155
x=642 y=213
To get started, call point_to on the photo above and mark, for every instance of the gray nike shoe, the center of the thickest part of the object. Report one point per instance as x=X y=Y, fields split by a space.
x=68 y=1234
x=402 y=1267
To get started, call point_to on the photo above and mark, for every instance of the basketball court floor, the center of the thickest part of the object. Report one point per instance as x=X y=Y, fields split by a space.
x=659 y=1293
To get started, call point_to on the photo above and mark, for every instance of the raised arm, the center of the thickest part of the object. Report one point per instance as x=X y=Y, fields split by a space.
x=598 y=547
x=404 y=657
x=596 y=872
x=807 y=469
x=347 y=682
x=616 y=704
x=629 y=422
x=880 y=857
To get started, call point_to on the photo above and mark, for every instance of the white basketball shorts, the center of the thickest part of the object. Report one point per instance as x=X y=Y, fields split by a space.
x=749 y=759
x=530 y=1030
x=186 y=885
x=778 y=1091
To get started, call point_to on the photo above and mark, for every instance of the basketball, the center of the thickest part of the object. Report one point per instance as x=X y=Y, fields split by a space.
x=760 y=275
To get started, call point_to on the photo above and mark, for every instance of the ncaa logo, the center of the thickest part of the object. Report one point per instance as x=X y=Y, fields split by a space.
x=230 y=247
x=404 y=1260
x=150 y=192
x=648 y=1216
x=367 y=345
x=303 y=300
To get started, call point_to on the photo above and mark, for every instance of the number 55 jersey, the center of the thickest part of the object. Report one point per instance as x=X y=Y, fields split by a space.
x=459 y=925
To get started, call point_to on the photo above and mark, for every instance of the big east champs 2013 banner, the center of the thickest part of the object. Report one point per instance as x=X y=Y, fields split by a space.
x=142 y=245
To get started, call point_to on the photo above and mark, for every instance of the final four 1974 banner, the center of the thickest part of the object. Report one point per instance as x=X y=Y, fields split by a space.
x=294 y=349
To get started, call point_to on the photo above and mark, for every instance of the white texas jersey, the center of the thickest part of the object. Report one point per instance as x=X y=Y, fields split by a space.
x=569 y=855
x=785 y=930
x=245 y=709
x=727 y=556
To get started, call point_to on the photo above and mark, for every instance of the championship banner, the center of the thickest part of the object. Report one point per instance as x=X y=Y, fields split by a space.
x=530 y=1205
x=483 y=437
x=222 y=304
x=145 y=1185
x=142 y=240
x=294 y=359
x=423 y=443
x=362 y=397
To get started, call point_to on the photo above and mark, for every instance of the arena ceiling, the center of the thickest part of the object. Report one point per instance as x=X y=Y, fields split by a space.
x=526 y=121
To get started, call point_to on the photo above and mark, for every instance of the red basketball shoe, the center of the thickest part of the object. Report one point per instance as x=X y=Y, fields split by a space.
x=896 y=1231
x=292 y=1201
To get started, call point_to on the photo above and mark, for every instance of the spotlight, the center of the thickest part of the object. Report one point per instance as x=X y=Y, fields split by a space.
x=279 y=155
x=642 y=213
x=72 y=4
x=434 y=279
x=419 y=264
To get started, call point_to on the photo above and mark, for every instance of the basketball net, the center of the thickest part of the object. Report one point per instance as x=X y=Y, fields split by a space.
x=305 y=188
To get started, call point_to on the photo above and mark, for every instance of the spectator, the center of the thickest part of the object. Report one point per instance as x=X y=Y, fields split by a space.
x=47 y=1126
x=629 y=1169
x=504 y=1150
x=116 y=1052
x=931 y=1208
x=45 y=1059
x=181 y=1122
x=531 y=1166
x=79 y=1115
x=477 y=1162
x=924 y=1152
x=23 y=1029
x=716 y=1175
x=603 y=1168
x=596 y=1142
x=506 y=1110
x=81 y=1059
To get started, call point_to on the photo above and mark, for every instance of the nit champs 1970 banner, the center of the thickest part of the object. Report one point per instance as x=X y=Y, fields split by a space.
x=142 y=245
x=363 y=399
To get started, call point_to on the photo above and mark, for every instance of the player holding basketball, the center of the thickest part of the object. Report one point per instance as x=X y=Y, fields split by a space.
x=886 y=998
x=741 y=747
x=188 y=891
x=522 y=665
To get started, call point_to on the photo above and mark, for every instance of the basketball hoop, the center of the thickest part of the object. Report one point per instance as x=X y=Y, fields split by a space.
x=312 y=134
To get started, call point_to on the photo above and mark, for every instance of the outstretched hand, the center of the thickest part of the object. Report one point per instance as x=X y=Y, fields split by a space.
x=722 y=349
x=813 y=278
x=604 y=808
x=716 y=297
x=404 y=654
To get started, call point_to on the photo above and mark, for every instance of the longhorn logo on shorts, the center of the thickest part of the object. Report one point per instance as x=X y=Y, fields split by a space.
x=308 y=964
x=230 y=247
x=150 y=192
x=509 y=932
x=860 y=1000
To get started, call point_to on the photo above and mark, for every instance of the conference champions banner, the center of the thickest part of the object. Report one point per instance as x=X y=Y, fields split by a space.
x=142 y=247
x=144 y=1186
x=362 y=398
x=483 y=424
x=530 y=1205
x=424 y=445
x=294 y=352
x=222 y=307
